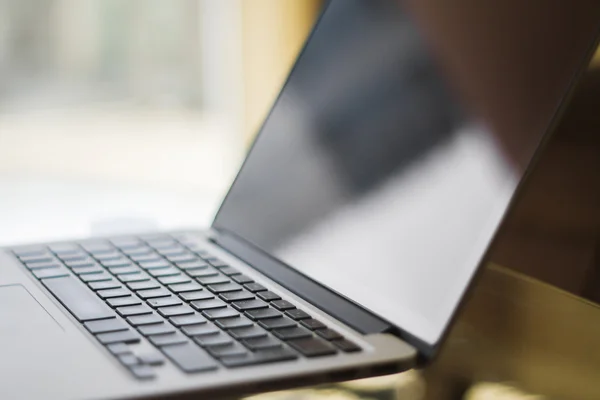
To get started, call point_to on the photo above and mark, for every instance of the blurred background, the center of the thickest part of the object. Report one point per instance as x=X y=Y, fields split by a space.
x=127 y=114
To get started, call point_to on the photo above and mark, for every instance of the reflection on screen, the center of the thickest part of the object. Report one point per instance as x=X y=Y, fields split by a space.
x=369 y=177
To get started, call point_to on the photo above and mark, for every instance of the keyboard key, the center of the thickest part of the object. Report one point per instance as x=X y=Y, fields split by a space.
x=151 y=358
x=213 y=280
x=259 y=357
x=164 y=272
x=328 y=334
x=144 y=258
x=297 y=314
x=96 y=277
x=264 y=313
x=50 y=273
x=292 y=333
x=78 y=299
x=215 y=262
x=68 y=250
x=172 y=251
x=123 y=301
x=187 y=238
x=159 y=240
x=268 y=296
x=168 y=339
x=144 y=319
x=220 y=313
x=64 y=248
x=42 y=265
x=118 y=263
x=88 y=269
x=312 y=324
x=102 y=252
x=282 y=305
x=97 y=246
x=199 y=295
x=190 y=358
x=224 y=288
x=192 y=265
x=128 y=360
x=312 y=347
x=114 y=255
x=151 y=284
x=346 y=346
x=233 y=349
x=164 y=302
x=106 y=325
x=110 y=253
x=232 y=323
x=118 y=348
x=137 y=277
x=125 y=270
x=142 y=371
x=126 y=242
x=137 y=250
x=35 y=251
x=134 y=310
x=181 y=258
x=110 y=293
x=185 y=320
x=36 y=259
x=203 y=273
x=80 y=263
x=159 y=264
x=218 y=339
x=102 y=285
x=153 y=293
x=128 y=336
x=247 y=333
x=242 y=279
x=249 y=305
x=262 y=343
x=185 y=287
x=277 y=323
x=229 y=271
x=199 y=251
x=237 y=296
x=156 y=329
x=200 y=330
x=202 y=305
x=170 y=280
x=255 y=287
x=75 y=257
x=175 y=311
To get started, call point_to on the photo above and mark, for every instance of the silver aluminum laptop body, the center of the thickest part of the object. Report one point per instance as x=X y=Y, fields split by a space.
x=314 y=216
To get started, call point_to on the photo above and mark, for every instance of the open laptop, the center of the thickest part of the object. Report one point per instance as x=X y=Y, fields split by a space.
x=350 y=235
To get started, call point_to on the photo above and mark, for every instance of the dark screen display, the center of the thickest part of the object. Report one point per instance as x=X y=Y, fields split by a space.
x=389 y=160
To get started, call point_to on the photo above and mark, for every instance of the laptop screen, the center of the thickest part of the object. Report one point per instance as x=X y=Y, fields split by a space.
x=390 y=157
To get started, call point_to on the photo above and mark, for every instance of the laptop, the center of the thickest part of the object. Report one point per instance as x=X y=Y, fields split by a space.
x=351 y=234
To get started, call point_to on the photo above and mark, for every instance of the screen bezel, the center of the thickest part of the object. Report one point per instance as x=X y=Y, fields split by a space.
x=253 y=254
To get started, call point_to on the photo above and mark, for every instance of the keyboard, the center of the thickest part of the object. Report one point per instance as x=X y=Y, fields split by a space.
x=196 y=310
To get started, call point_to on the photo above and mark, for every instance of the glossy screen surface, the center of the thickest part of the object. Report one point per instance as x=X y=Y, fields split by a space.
x=389 y=160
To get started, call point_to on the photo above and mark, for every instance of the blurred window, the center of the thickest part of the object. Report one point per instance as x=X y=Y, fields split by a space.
x=150 y=85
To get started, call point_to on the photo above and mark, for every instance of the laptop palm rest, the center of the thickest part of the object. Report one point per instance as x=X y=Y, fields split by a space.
x=21 y=315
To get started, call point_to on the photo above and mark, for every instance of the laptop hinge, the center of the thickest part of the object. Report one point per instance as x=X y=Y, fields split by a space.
x=322 y=297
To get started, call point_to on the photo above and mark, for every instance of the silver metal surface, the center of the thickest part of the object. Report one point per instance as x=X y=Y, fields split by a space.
x=63 y=361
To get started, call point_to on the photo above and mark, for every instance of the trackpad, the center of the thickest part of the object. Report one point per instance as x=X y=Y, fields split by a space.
x=21 y=314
